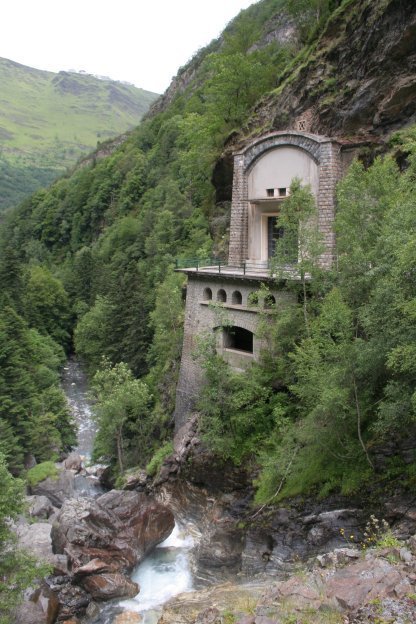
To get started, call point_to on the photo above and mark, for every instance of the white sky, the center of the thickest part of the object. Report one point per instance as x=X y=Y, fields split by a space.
x=141 y=41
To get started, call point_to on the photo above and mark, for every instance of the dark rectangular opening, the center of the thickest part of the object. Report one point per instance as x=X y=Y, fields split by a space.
x=238 y=338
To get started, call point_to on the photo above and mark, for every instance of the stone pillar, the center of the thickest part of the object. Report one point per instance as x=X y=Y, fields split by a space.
x=190 y=374
x=329 y=174
x=239 y=214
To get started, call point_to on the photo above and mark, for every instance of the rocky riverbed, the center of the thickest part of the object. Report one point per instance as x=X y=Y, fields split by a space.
x=301 y=562
x=343 y=586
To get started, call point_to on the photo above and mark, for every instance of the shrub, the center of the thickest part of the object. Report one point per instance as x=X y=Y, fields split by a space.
x=156 y=462
x=41 y=472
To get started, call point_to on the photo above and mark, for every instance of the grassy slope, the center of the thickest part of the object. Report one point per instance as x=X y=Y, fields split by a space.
x=47 y=121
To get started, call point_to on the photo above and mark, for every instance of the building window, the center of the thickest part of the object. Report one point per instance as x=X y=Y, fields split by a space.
x=238 y=338
x=285 y=243
x=283 y=192
x=270 y=192
x=237 y=298
x=301 y=125
x=207 y=294
x=221 y=295
x=253 y=299
x=269 y=301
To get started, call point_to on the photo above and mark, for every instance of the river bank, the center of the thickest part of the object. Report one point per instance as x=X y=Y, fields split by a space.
x=221 y=553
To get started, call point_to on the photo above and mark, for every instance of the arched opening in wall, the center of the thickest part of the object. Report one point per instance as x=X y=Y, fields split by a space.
x=207 y=294
x=269 y=302
x=253 y=299
x=221 y=295
x=237 y=298
x=238 y=338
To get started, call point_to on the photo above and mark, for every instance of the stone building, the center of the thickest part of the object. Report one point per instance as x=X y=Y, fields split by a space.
x=263 y=173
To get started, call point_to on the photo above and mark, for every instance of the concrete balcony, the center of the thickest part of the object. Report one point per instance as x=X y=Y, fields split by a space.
x=262 y=271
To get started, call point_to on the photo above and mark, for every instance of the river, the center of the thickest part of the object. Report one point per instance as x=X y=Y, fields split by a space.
x=166 y=572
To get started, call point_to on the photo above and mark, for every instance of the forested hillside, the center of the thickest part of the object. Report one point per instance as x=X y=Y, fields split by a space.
x=47 y=121
x=89 y=265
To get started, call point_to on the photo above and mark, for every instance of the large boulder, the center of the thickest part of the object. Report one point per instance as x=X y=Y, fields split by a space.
x=73 y=462
x=371 y=579
x=110 y=585
x=39 y=607
x=36 y=539
x=40 y=507
x=56 y=489
x=106 y=537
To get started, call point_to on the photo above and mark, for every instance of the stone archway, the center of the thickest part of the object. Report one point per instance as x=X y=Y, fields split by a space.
x=323 y=151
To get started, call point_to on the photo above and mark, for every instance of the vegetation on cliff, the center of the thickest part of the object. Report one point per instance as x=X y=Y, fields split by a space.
x=93 y=255
x=92 y=259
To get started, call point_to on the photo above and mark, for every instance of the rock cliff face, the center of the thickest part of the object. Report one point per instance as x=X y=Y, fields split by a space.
x=279 y=28
x=357 y=82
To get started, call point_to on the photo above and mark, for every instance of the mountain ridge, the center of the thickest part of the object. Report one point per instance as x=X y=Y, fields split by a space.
x=49 y=120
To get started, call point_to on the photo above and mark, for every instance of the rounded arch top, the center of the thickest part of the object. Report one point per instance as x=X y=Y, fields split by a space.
x=309 y=143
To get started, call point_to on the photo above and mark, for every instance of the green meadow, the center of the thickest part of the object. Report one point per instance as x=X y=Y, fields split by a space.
x=48 y=121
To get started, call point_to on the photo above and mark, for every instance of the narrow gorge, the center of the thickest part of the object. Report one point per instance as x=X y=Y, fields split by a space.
x=208 y=344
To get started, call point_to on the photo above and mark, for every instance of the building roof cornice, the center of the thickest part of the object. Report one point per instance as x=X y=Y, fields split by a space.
x=293 y=134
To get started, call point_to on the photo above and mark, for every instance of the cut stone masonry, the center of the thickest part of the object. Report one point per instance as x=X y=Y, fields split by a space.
x=263 y=172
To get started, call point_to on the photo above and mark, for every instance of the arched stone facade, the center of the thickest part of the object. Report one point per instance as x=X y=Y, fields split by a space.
x=324 y=152
x=203 y=316
x=212 y=299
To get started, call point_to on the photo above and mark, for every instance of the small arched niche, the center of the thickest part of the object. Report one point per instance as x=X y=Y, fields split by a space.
x=253 y=299
x=238 y=338
x=221 y=295
x=269 y=302
x=237 y=298
x=207 y=294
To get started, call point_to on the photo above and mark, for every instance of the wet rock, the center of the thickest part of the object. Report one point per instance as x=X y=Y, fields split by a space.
x=85 y=530
x=96 y=470
x=92 y=610
x=57 y=490
x=107 y=479
x=110 y=585
x=221 y=549
x=40 y=507
x=138 y=481
x=95 y=566
x=73 y=600
x=39 y=607
x=73 y=462
x=105 y=537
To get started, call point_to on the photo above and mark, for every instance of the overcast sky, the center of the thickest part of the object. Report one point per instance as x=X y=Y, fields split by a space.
x=141 y=41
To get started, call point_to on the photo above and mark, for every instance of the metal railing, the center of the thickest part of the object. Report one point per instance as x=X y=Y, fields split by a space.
x=199 y=263
x=219 y=265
